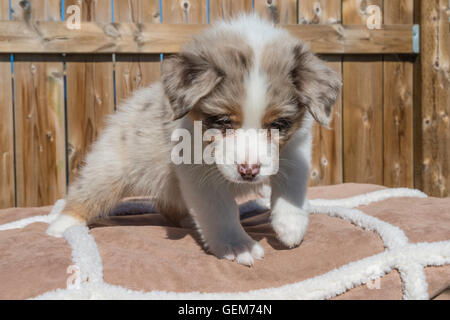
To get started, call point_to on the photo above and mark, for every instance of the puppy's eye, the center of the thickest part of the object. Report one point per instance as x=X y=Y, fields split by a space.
x=220 y=122
x=281 y=124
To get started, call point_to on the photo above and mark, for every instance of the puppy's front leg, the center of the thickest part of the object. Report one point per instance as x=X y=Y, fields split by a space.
x=288 y=200
x=216 y=214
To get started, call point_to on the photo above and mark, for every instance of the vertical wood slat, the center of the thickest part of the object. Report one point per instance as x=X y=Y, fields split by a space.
x=363 y=106
x=319 y=11
x=90 y=91
x=398 y=105
x=185 y=11
x=278 y=11
x=281 y=11
x=4 y=10
x=133 y=71
x=433 y=149
x=7 y=185
x=228 y=8
x=326 y=161
x=39 y=115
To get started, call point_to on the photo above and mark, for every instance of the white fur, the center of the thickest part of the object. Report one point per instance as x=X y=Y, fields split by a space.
x=61 y=224
x=255 y=103
x=218 y=221
x=289 y=222
x=257 y=31
x=247 y=146
x=288 y=198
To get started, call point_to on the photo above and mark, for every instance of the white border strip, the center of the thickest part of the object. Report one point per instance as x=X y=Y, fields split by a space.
x=22 y=223
x=85 y=253
x=392 y=236
x=325 y=286
x=368 y=198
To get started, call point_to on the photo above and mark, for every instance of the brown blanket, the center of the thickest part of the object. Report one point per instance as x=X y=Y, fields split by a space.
x=143 y=252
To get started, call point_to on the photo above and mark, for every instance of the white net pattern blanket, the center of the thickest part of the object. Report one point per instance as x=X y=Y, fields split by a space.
x=409 y=259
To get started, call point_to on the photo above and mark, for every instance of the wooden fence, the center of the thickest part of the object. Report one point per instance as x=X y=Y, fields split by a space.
x=391 y=125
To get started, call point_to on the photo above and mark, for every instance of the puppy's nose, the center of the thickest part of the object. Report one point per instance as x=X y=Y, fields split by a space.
x=248 y=171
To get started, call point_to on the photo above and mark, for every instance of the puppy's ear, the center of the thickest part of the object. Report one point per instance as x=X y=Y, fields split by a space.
x=317 y=85
x=186 y=79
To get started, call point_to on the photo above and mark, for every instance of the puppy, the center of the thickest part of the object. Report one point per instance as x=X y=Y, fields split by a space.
x=239 y=75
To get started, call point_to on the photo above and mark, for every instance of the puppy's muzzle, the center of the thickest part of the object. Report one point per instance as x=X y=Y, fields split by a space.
x=248 y=171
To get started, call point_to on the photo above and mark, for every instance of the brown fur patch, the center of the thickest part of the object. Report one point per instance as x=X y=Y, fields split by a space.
x=274 y=114
x=283 y=103
x=77 y=211
x=299 y=81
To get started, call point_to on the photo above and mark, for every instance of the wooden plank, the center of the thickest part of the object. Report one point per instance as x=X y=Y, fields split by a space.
x=362 y=107
x=326 y=161
x=228 y=8
x=278 y=11
x=7 y=184
x=136 y=70
x=319 y=12
x=433 y=174
x=54 y=37
x=355 y=39
x=39 y=116
x=355 y=11
x=185 y=11
x=90 y=98
x=39 y=10
x=90 y=91
x=4 y=10
x=363 y=103
x=398 y=105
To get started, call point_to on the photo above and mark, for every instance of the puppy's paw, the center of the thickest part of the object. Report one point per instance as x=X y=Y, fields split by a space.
x=242 y=250
x=61 y=224
x=290 y=226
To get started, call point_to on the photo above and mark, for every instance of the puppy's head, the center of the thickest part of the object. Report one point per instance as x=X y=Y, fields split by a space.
x=247 y=78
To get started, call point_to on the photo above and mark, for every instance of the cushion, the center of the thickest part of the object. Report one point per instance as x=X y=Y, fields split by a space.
x=374 y=243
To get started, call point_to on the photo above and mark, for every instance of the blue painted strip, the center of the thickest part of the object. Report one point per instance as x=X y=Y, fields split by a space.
x=63 y=12
x=112 y=10
x=13 y=105
x=161 y=55
x=114 y=62
x=207 y=11
x=11 y=55
x=416 y=38
x=253 y=5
